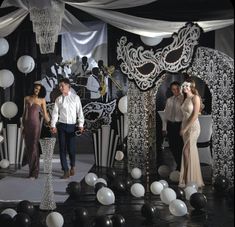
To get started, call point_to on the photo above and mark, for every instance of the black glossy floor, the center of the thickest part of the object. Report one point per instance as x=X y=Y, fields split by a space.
x=219 y=211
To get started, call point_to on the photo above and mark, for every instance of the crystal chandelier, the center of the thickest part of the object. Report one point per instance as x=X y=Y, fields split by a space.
x=47 y=24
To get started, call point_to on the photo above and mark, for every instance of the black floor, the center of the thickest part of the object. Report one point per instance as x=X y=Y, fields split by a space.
x=219 y=211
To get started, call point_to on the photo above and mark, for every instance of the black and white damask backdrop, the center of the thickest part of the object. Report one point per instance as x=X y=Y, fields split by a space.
x=213 y=67
x=217 y=70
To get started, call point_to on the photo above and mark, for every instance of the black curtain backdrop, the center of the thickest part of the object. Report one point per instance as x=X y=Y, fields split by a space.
x=22 y=42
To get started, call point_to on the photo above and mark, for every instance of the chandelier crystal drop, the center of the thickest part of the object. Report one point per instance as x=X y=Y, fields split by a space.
x=47 y=25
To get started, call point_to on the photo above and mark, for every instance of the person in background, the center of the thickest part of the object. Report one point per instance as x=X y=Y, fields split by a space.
x=104 y=81
x=172 y=122
x=49 y=82
x=93 y=84
x=34 y=106
x=56 y=68
x=67 y=111
x=190 y=131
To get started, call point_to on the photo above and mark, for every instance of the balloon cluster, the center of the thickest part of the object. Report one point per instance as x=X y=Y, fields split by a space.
x=25 y=65
x=103 y=194
x=175 y=196
x=20 y=217
x=116 y=220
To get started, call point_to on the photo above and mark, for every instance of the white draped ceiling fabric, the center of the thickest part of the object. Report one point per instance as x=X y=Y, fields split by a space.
x=104 y=10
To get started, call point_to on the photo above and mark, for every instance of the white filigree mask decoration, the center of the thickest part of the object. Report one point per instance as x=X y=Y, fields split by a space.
x=145 y=66
x=97 y=114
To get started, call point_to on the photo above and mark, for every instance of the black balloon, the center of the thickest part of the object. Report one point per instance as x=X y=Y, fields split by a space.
x=111 y=174
x=99 y=185
x=221 y=184
x=180 y=193
x=25 y=207
x=149 y=211
x=74 y=189
x=6 y=220
x=102 y=221
x=81 y=217
x=198 y=201
x=128 y=182
x=118 y=220
x=118 y=186
x=22 y=220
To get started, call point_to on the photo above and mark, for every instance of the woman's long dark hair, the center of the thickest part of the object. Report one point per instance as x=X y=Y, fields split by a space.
x=42 y=92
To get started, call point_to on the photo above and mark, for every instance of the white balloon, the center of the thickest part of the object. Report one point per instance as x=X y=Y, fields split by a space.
x=167 y=195
x=151 y=41
x=192 y=184
x=119 y=155
x=9 y=109
x=178 y=208
x=164 y=171
x=1 y=139
x=122 y=104
x=54 y=219
x=175 y=176
x=156 y=188
x=91 y=178
x=4 y=163
x=10 y=212
x=105 y=196
x=137 y=190
x=164 y=183
x=136 y=173
x=6 y=78
x=4 y=46
x=25 y=64
x=189 y=191
x=102 y=180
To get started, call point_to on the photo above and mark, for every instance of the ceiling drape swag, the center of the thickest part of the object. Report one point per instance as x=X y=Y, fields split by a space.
x=110 y=4
x=11 y=21
x=101 y=9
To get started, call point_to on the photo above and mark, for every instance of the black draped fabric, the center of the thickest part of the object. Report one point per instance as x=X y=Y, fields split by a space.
x=22 y=42
x=184 y=10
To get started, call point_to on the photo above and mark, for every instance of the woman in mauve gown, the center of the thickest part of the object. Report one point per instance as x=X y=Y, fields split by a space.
x=34 y=108
x=190 y=130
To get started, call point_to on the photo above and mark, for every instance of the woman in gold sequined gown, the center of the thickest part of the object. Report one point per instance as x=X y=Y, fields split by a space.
x=190 y=167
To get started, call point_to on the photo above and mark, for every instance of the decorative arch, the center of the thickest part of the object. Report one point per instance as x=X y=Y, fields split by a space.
x=217 y=70
x=213 y=67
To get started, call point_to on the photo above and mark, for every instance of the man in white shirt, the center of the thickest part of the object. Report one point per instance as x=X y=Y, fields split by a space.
x=67 y=110
x=93 y=84
x=172 y=122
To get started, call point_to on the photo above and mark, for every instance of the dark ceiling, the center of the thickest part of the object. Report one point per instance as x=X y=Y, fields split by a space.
x=171 y=10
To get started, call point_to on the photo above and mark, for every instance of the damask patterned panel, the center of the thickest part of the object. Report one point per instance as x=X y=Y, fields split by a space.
x=217 y=70
x=146 y=66
x=142 y=129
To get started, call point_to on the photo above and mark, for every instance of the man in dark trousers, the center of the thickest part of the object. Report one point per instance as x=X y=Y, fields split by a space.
x=172 y=122
x=67 y=113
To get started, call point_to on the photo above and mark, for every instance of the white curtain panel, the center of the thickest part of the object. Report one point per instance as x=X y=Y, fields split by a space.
x=92 y=44
x=11 y=21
